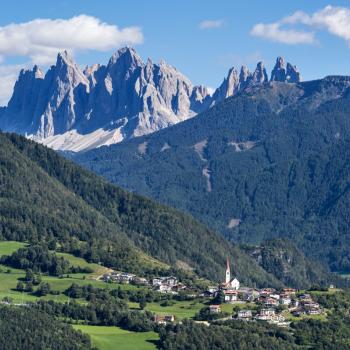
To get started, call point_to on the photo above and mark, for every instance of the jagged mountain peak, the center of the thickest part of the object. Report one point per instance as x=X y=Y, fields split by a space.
x=285 y=73
x=35 y=72
x=244 y=73
x=293 y=74
x=127 y=56
x=69 y=108
x=260 y=74
x=65 y=56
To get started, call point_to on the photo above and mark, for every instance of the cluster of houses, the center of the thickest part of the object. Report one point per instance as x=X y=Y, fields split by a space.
x=269 y=300
x=167 y=284
x=124 y=278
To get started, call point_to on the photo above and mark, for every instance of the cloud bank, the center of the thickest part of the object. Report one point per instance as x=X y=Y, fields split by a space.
x=334 y=20
x=41 y=39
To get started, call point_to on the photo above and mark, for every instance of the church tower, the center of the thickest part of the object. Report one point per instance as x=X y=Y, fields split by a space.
x=228 y=272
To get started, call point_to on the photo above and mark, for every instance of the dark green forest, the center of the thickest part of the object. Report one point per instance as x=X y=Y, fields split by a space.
x=30 y=329
x=278 y=157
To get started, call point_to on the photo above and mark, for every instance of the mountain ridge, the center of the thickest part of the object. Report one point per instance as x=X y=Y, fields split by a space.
x=74 y=110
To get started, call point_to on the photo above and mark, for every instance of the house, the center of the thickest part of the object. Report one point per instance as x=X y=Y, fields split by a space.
x=244 y=314
x=305 y=298
x=169 y=318
x=230 y=295
x=295 y=303
x=125 y=278
x=164 y=288
x=214 y=309
x=275 y=296
x=311 y=306
x=106 y=277
x=169 y=281
x=289 y=291
x=270 y=302
x=179 y=287
x=139 y=281
x=285 y=301
x=266 y=314
x=266 y=291
x=160 y=319
x=314 y=311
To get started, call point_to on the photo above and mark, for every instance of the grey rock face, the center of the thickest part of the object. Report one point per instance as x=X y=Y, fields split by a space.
x=233 y=83
x=281 y=73
x=293 y=74
x=73 y=109
x=102 y=104
x=259 y=76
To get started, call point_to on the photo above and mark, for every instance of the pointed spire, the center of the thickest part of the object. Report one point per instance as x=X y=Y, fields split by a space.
x=293 y=74
x=260 y=75
x=126 y=55
x=228 y=271
x=64 y=57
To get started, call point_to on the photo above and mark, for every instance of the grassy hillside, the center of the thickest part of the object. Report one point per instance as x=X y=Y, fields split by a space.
x=271 y=162
x=45 y=197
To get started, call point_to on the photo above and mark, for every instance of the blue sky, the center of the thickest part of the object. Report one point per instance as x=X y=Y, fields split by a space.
x=203 y=39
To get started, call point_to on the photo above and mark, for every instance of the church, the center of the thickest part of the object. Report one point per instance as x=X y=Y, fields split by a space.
x=230 y=283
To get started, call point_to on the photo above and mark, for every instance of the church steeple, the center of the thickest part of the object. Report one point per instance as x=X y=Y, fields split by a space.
x=228 y=271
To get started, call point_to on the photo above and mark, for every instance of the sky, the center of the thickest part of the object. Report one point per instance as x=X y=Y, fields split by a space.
x=202 y=39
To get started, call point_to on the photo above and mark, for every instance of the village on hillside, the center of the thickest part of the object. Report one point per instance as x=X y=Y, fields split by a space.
x=252 y=304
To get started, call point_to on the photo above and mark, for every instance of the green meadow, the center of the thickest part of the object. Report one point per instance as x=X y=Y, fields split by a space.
x=9 y=247
x=181 y=309
x=111 y=338
x=9 y=277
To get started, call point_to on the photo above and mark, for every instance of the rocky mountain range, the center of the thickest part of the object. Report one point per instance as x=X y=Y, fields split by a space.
x=73 y=109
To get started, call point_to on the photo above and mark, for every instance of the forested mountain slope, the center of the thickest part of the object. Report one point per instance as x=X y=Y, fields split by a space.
x=46 y=197
x=270 y=162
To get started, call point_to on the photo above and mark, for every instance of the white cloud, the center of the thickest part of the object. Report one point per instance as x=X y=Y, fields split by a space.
x=8 y=77
x=41 y=39
x=211 y=24
x=274 y=32
x=335 y=20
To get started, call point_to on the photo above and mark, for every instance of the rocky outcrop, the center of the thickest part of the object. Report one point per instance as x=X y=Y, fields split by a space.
x=285 y=74
x=234 y=82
